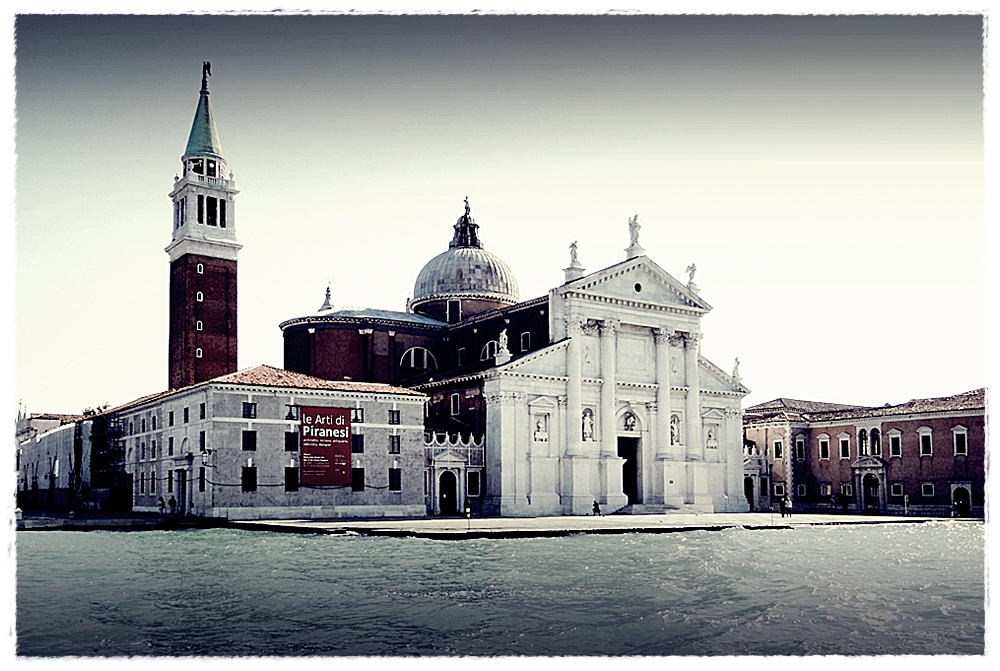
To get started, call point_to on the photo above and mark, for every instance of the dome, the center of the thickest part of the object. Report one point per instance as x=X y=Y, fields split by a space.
x=465 y=271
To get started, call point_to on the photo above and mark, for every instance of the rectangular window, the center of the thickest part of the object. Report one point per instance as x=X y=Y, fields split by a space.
x=777 y=449
x=472 y=486
x=291 y=478
x=170 y=482
x=453 y=312
x=393 y=444
x=825 y=489
x=201 y=479
x=154 y=422
x=824 y=449
x=201 y=209
x=845 y=448
x=152 y=449
x=201 y=441
x=143 y=425
x=142 y=483
x=895 y=447
x=222 y=213
x=358 y=443
x=291 y=441
x=249 y=440
x=201 y=411
x=249 y=410
x=455 y=404
x=357 y=479
x=927 y=489
x=800 y=448
x=763 y=484
x=926 y=449
x=170 y=446
x=779 y=489
x=395 y=479
x=186 y=416
x=460 y=354
x=896 y=489
x=847 y=489
x=394 y=416
x=961 y=447
x=142 y=449
x=249 y=478
x=358 y=415
x=152 y=482
x=800 y=490
x=213 y=204
x=170 y=418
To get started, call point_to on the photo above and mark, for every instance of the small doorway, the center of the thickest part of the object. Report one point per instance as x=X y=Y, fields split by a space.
x=870 y=489
x=963 y=506
x=748 y=490
x=628 y=449
x=181 y=478
x=448 y=493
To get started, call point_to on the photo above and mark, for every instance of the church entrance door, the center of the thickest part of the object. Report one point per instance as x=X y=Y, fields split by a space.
x=870 y=486
x=748 y=490
x=181 y=477
x=628 y=449
x=448 y=493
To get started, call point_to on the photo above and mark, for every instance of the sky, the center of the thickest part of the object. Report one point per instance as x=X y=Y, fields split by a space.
x=824 y=173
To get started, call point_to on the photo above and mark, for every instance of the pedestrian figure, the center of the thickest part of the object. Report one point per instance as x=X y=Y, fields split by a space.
x=597 y=509
x=782 y=502
x=163 y=506
x=788 y=505
x=844 y=500
x=173 y=505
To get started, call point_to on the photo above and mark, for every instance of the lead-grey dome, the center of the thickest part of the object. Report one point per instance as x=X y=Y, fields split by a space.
x=465 y=270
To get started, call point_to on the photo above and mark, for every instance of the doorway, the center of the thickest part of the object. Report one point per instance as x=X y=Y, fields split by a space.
x=748 y=490
x=870 y=489
x=448 y=493
x=963 y=506
x=181 y=478
x=628 y=449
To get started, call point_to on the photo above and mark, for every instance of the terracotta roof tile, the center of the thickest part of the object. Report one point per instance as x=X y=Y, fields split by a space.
x=269 y=376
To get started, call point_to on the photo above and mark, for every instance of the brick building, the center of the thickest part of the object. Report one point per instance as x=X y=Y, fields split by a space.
x=923 y=457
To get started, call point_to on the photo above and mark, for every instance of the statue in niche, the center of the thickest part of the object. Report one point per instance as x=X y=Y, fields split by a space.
x=588 y=424
x=633 y=230
x=541 y=430
x=630 y=421
x=573 y=260
x=674 y=429
x=586 y=356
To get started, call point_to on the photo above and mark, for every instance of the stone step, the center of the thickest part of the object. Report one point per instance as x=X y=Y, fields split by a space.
x=645 y=509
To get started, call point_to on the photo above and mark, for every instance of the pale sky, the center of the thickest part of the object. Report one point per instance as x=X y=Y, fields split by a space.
x=824 y=173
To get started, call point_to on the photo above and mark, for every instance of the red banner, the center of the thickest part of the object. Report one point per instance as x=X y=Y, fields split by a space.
x=325 y=435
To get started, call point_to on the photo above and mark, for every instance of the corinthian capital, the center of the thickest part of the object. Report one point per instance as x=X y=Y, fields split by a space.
x=610 y=326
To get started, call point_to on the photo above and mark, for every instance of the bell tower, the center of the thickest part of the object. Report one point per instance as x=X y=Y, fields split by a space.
x=203 y=252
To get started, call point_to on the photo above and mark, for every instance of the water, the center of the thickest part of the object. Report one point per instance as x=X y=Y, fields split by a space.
x=870 y=589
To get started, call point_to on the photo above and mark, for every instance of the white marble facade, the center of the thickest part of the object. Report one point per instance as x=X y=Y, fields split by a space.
x=620 y=408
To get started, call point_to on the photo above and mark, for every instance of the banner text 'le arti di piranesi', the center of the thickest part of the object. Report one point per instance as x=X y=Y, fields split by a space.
x=325 y=435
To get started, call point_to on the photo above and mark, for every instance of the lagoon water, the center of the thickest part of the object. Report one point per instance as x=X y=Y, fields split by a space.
x=868 y=589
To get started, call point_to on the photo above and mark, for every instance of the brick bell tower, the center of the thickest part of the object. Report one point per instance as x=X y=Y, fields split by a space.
x=203 y=253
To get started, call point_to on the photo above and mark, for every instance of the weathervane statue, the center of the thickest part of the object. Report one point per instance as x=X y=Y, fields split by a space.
x=206 y=72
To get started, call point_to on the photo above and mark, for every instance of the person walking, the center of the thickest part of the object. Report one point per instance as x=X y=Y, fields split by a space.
x=788 y=505
x=173 y=504
x=597 y=509
x=782 y=502
x=163 y=506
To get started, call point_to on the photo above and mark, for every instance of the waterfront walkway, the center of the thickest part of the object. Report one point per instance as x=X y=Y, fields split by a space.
x=455 y=528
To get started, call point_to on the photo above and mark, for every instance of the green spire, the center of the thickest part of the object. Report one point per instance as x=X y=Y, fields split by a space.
x=204 y=138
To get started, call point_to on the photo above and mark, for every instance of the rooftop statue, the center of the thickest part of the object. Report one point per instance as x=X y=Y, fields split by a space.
x=573 y=260
x=633 y=230
x=690 y=271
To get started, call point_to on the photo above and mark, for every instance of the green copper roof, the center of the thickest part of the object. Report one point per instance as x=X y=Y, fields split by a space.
x=204 y=138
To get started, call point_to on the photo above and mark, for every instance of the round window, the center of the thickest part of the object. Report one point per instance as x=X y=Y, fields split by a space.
x=637 y=287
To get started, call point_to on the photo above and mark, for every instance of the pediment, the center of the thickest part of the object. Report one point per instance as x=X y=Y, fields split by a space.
x=640 y=281
x=449 y=458
x=714 y=378
x=868 y=463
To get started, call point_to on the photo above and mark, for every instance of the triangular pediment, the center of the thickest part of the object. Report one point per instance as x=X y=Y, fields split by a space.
x=715 y=379
x=639 y=281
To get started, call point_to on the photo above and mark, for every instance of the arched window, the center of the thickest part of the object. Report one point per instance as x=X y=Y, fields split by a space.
x=525 y=341
x=876 y=442
x=490 y=351
x=418 y=358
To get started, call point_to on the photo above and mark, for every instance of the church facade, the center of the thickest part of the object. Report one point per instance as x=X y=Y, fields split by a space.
x=593 y=393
